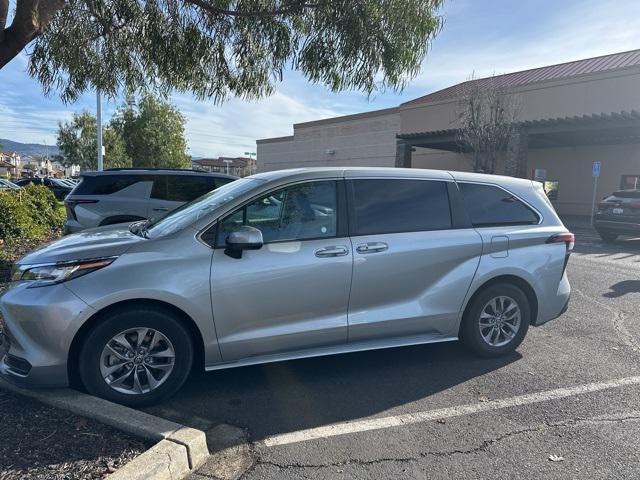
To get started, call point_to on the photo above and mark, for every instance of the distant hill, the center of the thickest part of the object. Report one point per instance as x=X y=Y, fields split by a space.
x=27 y=148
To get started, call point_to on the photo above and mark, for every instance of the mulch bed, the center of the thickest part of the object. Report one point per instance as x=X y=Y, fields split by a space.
x=41 y=442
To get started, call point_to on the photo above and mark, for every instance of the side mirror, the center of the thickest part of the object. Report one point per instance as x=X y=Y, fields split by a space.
x=243 y=238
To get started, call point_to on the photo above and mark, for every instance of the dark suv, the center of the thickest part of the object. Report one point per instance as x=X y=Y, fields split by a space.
x=128 y=195
x=60 y=188
x=618 y=214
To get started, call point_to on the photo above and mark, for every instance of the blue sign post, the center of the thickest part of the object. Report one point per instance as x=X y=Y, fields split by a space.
x=595 y=173
x=595 y=169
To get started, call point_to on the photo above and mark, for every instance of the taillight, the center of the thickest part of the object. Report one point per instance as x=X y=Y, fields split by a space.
x=70 y=204
x=635 y=204
x=567 y=238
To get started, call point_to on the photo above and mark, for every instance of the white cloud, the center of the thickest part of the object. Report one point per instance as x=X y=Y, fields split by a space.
x=233 y=128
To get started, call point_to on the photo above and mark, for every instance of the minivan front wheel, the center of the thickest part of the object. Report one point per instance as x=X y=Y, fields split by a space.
x=496 y=321
x=136 y=356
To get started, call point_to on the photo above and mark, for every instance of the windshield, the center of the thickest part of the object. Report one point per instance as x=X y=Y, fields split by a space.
x=193 y=211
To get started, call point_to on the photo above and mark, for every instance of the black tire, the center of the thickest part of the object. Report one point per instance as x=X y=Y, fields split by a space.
x=133 y=317
x=470 y=328
x=608 y=237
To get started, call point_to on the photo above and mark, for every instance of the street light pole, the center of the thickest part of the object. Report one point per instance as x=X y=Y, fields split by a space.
x=227 y=162
x=99 y=121
x=251 y=155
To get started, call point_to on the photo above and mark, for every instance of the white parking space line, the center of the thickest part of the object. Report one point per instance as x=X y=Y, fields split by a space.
x=442 y=413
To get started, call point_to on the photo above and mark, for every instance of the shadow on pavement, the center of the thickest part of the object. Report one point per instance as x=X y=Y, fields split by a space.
x=622 y=288
x=288 y=396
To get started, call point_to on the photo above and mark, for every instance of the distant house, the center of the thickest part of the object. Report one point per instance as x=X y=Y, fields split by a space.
x=36 y=165
x=238 y=166
x=9 y=164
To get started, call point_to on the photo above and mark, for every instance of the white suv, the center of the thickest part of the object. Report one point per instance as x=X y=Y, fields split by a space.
x=129 y=195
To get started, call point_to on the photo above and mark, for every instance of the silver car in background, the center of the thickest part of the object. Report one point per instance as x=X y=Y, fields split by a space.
x=285 y=265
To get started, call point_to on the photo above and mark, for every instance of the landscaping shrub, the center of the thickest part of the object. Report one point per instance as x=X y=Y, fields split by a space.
x=27 y=217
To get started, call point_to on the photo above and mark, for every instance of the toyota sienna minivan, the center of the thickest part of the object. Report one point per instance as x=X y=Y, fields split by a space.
x=285 y=265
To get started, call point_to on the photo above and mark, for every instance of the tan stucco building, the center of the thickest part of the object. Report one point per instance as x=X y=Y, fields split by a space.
x=570 y=115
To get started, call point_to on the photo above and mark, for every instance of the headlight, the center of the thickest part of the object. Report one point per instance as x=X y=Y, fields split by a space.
x=52 y=273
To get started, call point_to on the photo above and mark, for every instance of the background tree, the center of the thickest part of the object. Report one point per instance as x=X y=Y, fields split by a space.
x=487 y=116
x=217 y=48
x=77 y=144
x=153 y=134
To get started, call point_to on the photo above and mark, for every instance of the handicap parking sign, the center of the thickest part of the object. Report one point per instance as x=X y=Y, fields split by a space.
x=595 y=171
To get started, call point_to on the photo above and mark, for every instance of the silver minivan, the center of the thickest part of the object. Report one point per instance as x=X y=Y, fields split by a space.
x=284 y=265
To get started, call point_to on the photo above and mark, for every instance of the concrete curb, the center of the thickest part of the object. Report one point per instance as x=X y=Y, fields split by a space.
x=178 y=450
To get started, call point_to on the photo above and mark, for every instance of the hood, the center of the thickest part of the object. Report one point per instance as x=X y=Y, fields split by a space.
x=106 y=241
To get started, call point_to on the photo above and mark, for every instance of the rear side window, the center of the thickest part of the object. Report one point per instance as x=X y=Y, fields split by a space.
x=393 y=206
x=489 y=205
x=107 y=184
x=182 y=188
x=630 y=194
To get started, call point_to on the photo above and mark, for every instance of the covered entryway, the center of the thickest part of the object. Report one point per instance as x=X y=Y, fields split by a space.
x=561 y=150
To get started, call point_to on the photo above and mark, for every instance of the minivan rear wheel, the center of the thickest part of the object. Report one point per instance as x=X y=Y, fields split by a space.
x=136 y=356
x=496 y=321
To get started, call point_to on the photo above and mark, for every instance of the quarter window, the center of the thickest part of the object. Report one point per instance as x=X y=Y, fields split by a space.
x=489 y=205
x=393 y=206
x=300 y=212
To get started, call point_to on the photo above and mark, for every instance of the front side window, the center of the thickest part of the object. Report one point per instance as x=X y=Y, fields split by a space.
x=489 y=205
x=299 y=212
x=107 y=184
x=394 y=206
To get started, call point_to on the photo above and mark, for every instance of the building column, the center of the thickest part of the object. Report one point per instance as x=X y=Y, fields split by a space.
x=403 y=154
x=516 y=161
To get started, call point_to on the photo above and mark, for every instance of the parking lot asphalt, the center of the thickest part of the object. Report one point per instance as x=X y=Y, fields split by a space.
x=565 y=405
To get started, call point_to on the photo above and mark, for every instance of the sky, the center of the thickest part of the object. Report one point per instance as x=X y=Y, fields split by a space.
x=479 y=37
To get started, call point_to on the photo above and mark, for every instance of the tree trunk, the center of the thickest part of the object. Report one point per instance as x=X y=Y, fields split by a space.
x=31 y=19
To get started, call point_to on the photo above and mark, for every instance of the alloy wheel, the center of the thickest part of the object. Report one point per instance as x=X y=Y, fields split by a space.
x=500 y=321
x=137 y=360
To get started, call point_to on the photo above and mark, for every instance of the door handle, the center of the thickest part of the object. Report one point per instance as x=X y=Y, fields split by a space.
x=334 y=251
x=372 y=247
x=161 y=209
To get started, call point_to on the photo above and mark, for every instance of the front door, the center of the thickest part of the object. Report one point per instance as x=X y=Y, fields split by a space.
x=412 y=269
x=293 y=293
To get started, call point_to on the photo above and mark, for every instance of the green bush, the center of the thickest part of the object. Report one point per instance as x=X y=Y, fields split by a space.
x=27 y=216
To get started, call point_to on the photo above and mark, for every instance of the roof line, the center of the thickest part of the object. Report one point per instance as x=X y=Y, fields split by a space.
x=422 y=98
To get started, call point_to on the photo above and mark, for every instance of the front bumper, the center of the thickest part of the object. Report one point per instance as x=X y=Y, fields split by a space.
x=40 y=325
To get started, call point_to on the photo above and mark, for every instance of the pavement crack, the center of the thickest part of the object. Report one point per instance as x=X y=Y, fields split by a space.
x=618 y=320
x=484 y=446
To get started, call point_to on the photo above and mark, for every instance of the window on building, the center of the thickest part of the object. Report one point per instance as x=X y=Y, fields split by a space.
x=489 y=205
x=300 y=212
x=393 y=206
x=630 y=182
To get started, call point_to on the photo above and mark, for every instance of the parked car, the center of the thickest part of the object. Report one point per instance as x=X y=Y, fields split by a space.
x=286 y=265
x=8 y=185
x=128 y=195
x=59 y=188
x=618 y=214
